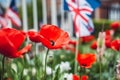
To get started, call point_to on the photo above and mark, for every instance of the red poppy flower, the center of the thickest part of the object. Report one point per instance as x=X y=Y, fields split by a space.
x=115 y=44
x=115 y=25
x=11 y=40
x=73 y=42
x=53 y=37
x=86 y=60
x=109 y=32
x=76 y=77
x=108 y=40
x=70 y=46
x=94 y=45
x=34 y=36
x=87 y=38
x=84 y=77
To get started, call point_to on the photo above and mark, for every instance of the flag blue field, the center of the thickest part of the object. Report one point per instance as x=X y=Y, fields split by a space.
x=94 y=3
x=81 y=11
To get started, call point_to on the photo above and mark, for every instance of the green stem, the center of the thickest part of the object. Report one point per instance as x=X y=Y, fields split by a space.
x=23 y=62
x=3 y=69
x=76 y=53
x=51 y=73
x=46 y=63
x=51 y=65
x=100 y=67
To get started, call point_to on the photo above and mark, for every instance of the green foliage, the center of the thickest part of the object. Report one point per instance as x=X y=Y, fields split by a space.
x=103 y=25
x=100 y=25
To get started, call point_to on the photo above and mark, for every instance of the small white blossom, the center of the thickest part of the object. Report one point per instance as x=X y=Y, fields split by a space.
x=33 y=71
x=48 y=71
x=68 y=76
x=25 y=72
x=14 y=67
x=65 y=66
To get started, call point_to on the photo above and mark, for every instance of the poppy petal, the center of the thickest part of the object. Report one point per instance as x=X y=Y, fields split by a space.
x=84 y=77
x=62 y=40
x=34 y=36
x=53 y=37
x=115 y=44
x=15 y=36
x=50 y=32
x=6 y=47
x=23 y=51
x=86 y=60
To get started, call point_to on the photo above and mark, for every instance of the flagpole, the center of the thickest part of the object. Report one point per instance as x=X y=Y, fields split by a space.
x=77 y=46
x=76 y=53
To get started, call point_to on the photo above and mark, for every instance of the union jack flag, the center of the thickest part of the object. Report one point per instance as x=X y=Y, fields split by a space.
x=3 y=22
x=81 y=11
x=12 y=14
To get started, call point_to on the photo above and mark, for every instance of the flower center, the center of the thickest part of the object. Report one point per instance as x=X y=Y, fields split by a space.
x=84 y=65
x=52 y=42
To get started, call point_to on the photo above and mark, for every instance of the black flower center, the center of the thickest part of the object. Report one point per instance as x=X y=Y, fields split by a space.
x=84 y=65
x=52 y=42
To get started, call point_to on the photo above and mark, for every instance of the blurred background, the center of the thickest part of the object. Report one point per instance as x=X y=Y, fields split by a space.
x=34 y=13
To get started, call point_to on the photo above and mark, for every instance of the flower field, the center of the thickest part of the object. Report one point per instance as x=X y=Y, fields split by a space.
x=59 y=57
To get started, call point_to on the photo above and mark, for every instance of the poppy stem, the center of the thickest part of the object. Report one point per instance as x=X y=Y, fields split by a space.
x=3 y=69
x=46 y=63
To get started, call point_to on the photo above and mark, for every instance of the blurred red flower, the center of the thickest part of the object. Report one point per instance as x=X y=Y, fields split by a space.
x=70 y=46
x=115 y=45
x=86 y=39
x=108 y=37
x=115 y=25
x=76 y=77
x=86 y=60
x=94 y=44
x=34 y=36
x=84 y=77
x=73 y=42
x=11 y=40
x=53 y=37
x=109 y=32
x=108 y=40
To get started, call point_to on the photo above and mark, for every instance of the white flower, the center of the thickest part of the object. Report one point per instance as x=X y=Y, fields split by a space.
x=25 y=72
x=68 y=76
x=14 y=67
x=48 y=70
x=65 y=66
x=33 y=71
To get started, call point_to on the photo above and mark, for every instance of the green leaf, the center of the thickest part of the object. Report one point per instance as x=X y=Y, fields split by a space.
x=56 y=76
